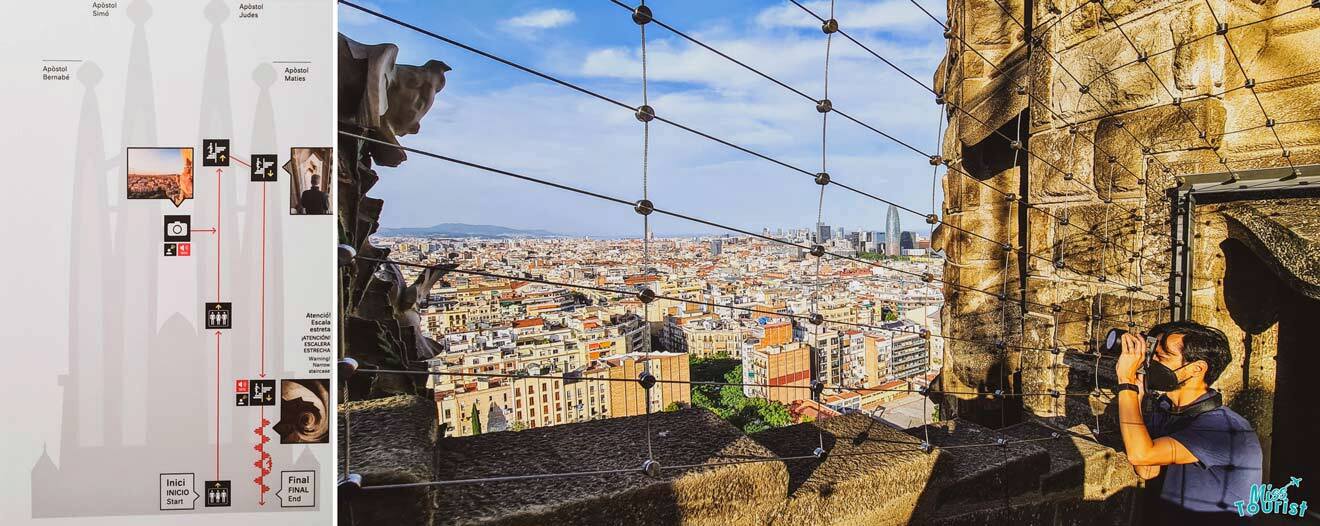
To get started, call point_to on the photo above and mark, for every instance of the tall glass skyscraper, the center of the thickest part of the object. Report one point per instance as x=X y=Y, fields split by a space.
x=892 y=230
x=822 y=233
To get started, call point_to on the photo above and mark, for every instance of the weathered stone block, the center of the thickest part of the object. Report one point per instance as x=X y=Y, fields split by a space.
x=697 y=495
x=986 y=25
x=995 y=103
x=963 y=193
x=971 y=472
x=1109 y=89
x=1128 y=311
x=1077 y=461
x=1043 y=371
x=1114 y=11
x=1198 y=63
x=1058 y=155
x=1073 y=324
x=871 y=473
x=972 y=360
x=990 y=224
x=1040 y=242
x=1119 y=158
x=1052 y=376
x=1096 y=241
x=1042 y=67
x=1084 y=23
x=1285 y=82
x=392 y=441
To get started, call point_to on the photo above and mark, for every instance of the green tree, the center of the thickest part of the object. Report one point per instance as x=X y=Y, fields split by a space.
x=701 y=399
x=755 y=426
x=728 y=401
x=734 y=375
x=774 y=414
x=732 y=397
x=476 y=419
x=710 y=369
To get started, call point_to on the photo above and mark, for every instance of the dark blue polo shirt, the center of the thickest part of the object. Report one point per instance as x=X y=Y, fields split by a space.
x=1228 y=458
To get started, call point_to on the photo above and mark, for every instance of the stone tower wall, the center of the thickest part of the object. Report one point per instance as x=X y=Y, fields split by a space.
x=1105 y=159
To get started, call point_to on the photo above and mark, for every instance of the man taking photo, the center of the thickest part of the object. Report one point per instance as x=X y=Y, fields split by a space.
x=313 y=200
x=1211 y=453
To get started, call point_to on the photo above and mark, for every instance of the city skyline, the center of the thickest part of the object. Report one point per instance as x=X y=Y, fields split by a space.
x=392 y=231
x=563 y=307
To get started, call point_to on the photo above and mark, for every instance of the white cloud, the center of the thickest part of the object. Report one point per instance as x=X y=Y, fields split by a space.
x=791 y=59
x=889 y=15
x=859 y=84
x=543 y=19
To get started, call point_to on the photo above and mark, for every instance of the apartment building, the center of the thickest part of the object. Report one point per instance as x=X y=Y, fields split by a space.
x=777 y=372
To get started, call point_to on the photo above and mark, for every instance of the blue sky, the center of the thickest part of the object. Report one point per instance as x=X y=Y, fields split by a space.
x=496 y=115
x=155 y=160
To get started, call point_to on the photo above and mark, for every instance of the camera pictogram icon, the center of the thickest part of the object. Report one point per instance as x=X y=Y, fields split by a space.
x=178 y=229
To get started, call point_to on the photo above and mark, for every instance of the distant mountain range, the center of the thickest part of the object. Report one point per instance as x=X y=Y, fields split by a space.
x=466 y=230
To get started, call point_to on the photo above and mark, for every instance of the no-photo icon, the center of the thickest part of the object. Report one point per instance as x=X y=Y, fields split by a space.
x=219 y=315
x=263 y=168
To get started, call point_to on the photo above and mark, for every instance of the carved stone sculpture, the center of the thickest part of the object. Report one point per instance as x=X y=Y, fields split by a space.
x=386 y=98
x=381 y=100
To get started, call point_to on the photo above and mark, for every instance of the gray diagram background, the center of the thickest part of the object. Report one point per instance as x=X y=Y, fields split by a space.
x=112 y=377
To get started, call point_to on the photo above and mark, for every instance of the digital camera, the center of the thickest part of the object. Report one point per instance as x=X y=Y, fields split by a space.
x=1114 y=345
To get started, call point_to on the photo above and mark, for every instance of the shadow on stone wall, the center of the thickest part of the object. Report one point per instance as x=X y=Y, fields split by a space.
x=988 y=410
x=1258 y=300
x=1053 y=479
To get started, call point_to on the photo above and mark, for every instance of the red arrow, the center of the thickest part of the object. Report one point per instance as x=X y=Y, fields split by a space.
x=263 y=283
x=217 y=405
x=235 y=159
x=207 y=230
x=218 y=173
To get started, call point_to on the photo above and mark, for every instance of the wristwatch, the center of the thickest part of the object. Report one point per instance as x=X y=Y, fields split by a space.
x=1127 y=387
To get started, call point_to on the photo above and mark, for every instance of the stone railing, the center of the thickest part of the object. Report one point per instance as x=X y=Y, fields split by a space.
x=711 y=473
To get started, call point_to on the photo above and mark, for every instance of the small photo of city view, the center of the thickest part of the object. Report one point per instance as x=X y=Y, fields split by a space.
x=160 y=173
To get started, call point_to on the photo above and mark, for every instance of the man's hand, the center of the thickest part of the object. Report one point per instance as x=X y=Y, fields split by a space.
x=1134 y=354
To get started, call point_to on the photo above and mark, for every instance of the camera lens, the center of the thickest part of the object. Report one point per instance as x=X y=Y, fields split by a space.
x=1114 y=340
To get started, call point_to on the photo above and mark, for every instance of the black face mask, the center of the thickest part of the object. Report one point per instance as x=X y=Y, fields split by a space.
x=1160 y=377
